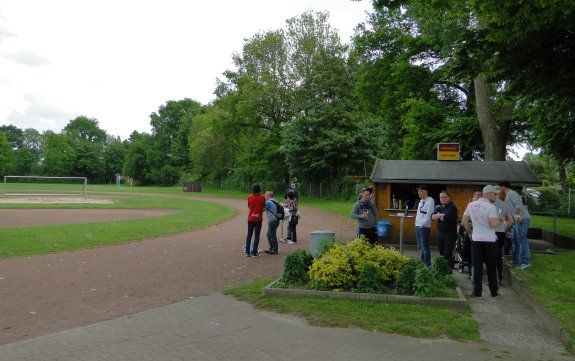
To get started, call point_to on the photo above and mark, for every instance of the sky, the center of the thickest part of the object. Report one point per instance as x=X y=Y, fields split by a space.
x=118 y=61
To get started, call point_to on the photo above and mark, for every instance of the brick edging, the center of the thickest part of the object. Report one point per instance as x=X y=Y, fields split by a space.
x=457 y=303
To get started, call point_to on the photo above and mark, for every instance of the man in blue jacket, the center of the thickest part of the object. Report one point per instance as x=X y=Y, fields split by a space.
x=446 y=216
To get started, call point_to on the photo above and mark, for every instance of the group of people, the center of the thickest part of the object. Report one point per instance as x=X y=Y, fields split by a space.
x=495 y=218
x=257 y=205
x=487 y=221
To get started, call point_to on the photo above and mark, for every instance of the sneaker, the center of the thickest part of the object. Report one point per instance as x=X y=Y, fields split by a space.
x=498 y=295
x=524 y=266
x=254 y=255
x=291 y=242
x=248 y=255
x=475 y=296
x=282 y=240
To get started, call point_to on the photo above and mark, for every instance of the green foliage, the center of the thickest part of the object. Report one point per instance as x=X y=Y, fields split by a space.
x=368 y=280
x=416 y=279
x=325 y=245
x=340 y=267
x=6 y=155
x=441 y=266
x=296 y=267
x=426 y=282
x=406 y=279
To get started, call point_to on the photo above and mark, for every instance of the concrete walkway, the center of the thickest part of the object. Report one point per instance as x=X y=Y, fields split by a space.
x=217 y=327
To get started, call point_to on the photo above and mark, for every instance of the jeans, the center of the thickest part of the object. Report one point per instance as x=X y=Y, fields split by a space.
x=370 y=234
x=254 y=228
x=272 y=235
x=500 y=245
x=422 y=236
x=521 y=253
x=292 y=232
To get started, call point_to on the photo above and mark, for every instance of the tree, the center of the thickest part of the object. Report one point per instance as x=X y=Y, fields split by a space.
x=405 y=82
x=6 y=155
x=58 y=154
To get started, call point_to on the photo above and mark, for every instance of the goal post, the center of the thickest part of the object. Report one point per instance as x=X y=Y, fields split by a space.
x=44 y=186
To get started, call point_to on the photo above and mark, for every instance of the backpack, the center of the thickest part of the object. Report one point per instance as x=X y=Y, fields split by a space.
x=281 y=214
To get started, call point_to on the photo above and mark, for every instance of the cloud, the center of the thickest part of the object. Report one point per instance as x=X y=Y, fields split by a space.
x=39 y=116
x=26 y=57
x=5 y=34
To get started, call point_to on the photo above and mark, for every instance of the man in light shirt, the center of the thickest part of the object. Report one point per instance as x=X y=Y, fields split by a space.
x=425 y=209
x=522 y=218
x=483 y=214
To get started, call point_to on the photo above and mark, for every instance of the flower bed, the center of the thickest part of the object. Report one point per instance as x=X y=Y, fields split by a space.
x=357 y=270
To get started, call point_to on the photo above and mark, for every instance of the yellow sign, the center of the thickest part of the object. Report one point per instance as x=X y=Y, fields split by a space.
x=448 y=151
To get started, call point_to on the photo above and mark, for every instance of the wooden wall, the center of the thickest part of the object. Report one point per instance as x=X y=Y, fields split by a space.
x=460 y=195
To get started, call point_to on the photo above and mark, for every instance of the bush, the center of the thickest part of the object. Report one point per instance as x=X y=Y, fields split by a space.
x=296 y=267
x=368 y=280
x=341 y=266
x=441 y=266
x=406 y=279
x=416 y=279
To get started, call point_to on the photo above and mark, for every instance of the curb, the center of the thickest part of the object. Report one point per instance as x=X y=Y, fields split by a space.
x=456 y=303
x=546 y=318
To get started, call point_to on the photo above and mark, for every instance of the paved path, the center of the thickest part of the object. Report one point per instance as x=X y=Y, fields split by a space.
x=217 y=327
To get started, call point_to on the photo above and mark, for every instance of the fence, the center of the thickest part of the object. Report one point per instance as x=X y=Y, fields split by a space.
x=343 y=191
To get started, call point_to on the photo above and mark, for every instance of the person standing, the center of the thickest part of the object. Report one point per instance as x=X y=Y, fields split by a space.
x=291 y=204
x=292 y=188
x=522 y=219
x=483 y=214
x=367 y=216
x=425 y=209
x=256 y=204
x=446 y=216
x=271 y=207
x=501 y=230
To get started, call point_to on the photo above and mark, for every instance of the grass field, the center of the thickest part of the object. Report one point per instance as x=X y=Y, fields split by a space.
x=190 y=214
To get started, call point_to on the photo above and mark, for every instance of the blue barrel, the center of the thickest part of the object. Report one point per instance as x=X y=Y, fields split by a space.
x=383 y=228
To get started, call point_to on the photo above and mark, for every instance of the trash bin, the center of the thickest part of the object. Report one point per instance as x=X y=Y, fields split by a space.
x=383 y=228
x=317 y=239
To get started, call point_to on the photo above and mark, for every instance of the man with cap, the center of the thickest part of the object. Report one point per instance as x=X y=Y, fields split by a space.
x=425 y=209
x=485 y=219
x=521 y=252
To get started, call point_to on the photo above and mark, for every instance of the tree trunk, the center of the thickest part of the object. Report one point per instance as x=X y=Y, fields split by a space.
x=494 y=132
x=563 y=178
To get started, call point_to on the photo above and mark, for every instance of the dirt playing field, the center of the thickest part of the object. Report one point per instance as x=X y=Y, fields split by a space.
x=48 y=293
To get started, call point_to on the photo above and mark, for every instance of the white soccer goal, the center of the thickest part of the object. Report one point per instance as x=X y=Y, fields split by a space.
x=44 y=186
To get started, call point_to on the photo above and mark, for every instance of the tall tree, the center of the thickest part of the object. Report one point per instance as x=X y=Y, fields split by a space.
x=6 y=155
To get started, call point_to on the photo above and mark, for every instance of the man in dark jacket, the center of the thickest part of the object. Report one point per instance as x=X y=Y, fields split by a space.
x=367 y=216
x=446 y=216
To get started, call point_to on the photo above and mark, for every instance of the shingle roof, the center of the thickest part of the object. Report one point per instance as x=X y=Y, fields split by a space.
x=453 y=172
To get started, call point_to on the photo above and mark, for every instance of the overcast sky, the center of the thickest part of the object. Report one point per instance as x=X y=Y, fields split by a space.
x=120 y=60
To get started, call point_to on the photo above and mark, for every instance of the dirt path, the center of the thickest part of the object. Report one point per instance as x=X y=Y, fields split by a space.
x=48 y=293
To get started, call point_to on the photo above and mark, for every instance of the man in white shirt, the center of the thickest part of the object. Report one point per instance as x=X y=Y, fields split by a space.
x=425 y=209
x=483 y=215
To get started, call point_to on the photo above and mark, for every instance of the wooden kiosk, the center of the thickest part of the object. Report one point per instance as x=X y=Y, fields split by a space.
x=398 y=179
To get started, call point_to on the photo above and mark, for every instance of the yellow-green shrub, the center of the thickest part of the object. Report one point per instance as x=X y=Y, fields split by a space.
x=340 y=267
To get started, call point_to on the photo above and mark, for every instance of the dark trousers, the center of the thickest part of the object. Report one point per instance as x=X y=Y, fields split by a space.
x=508 y=242
x=254 y=229
x=446 y=243
x=272 y=235
x=484 y=252
x=292 y=233
x=370 y=234
x=500 y=245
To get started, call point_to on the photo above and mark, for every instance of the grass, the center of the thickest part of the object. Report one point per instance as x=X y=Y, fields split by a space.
x=33 y=240
x=411 y=320
x=551 y=281
x=564 y=226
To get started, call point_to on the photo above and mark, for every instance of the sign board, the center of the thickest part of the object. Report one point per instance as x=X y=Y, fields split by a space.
x=448 y=151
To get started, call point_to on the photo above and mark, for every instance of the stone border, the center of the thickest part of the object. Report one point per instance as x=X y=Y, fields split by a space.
x=546 y=318
x=457 y=303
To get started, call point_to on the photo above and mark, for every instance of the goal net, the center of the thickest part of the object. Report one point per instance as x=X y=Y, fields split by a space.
x=44 y=186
